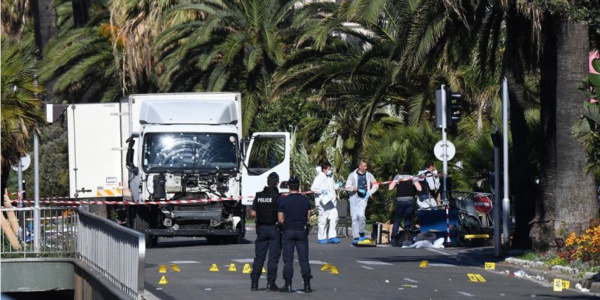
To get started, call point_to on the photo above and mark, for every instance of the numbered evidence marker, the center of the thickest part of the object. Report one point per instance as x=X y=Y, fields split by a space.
x=214 y=268
x=175 y=268
x=232 y=268
x=475 y=277
x=325 y=267
x=162 y=269
x=247 y=269
x=558 y=285
x=163 y=280
x=566 y=284
x=490 y=266
x=423 y=264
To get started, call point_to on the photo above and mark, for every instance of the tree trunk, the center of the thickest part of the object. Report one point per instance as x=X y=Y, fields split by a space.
x=522 y=188
x=44 y=16
x=567 y=192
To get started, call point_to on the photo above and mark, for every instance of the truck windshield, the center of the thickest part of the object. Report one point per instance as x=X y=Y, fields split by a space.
x=189 y=152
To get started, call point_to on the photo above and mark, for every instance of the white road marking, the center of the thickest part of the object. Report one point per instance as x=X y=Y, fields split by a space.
x=440 y=265
x=243 y=260
x=369 y=268
x=411 y=280
x=316 y=262
x=466 y=294
x=181 y=262
x=373 y=262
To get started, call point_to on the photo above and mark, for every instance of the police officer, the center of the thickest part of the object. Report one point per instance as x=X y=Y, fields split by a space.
x=294 y=213
x=268 y=235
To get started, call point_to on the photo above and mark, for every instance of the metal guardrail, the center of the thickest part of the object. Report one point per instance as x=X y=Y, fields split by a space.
x=115 y=251
x=57 y=233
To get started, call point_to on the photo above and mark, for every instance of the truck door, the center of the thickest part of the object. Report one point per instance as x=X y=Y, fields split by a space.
x=267 y=152
x=94 y=136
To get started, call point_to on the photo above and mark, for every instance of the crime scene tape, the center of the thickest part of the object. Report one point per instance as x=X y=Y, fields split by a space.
x=63 y=201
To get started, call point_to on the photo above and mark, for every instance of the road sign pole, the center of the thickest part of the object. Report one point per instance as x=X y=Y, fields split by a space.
x=505 y=199
x=444 y=144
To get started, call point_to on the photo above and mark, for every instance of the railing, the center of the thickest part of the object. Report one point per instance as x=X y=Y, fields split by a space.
x=115 y=251
x=112 y=250
x=58 y=229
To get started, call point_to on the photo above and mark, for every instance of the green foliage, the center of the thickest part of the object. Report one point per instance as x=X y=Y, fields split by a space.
x=21 y=108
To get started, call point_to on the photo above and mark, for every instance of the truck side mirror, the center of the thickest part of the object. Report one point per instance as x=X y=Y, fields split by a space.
x=129 y=157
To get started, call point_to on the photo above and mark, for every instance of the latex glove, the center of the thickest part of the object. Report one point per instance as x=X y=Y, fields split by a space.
x=340 y=184
x=324 y=192
x=362 y=191
x=367 y=196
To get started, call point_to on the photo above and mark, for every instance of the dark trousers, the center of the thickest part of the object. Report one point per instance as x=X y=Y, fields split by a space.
x=405 y=208
x=295 y=239
x=268 y=238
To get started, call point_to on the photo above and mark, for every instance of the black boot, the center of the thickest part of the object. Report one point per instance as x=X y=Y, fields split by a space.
x=307 y=288
x=254 y=286
x=287 y=288
x=271 y=286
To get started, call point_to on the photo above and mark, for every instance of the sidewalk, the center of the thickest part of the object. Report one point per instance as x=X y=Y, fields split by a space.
x=588 y=282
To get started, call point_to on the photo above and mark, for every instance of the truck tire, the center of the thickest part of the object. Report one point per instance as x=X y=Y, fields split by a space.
x=143 y=219
x=151 y=241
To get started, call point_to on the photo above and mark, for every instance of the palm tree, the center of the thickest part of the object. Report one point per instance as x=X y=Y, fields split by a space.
x=80 y=62
x=21 y=106
x=566 y=189
x=236 y=47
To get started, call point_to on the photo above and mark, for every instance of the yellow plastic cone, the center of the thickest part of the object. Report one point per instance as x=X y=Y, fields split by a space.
x=232 y=268
x=214 y=268
x=325 y=267
x=263 y=270
x=163 y=280
x=247 y=269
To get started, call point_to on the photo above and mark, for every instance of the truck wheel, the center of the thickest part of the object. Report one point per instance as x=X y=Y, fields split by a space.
x=151 y=241
x=235 y=239
x=213 y=240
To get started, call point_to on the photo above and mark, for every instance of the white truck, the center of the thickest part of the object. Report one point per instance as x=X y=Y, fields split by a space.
x=177 y=160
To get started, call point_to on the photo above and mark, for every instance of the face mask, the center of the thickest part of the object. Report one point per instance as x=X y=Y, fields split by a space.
x=329 y=172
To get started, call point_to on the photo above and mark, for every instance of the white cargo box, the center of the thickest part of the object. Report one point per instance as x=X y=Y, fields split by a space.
x=95 y=153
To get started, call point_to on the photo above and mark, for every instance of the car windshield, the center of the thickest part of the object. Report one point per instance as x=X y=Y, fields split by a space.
x=189 y=152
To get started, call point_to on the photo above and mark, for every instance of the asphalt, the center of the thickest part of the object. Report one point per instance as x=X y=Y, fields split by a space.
x=536 y=270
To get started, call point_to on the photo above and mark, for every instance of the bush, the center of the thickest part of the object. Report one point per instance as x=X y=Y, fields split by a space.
x=585 y=247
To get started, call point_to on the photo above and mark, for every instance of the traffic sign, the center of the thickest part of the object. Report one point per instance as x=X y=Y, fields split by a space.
x=438 y=150
x=25 y=162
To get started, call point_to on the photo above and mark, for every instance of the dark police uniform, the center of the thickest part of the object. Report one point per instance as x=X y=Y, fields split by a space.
x=268 y=236
x=405 y=205
x=295 y=208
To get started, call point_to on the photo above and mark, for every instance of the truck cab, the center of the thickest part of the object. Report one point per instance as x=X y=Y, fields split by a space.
x=185 y=170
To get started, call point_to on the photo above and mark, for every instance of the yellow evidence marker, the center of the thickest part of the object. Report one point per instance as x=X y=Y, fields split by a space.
x=162 y=269
x=232 y=268
x=558 y=285
x=325 y=267
x=163 y=280
x=247 y=269
x=566 y=284
x=334 y=270
x=423 y=264
x=490 y=266
x=475 y=277
x=214 y=268
x=175 y=268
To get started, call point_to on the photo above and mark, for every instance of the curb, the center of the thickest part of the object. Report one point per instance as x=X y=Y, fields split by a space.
x=535 y=269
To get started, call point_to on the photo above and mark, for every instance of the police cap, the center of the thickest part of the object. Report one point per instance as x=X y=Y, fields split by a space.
x=273 y=176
